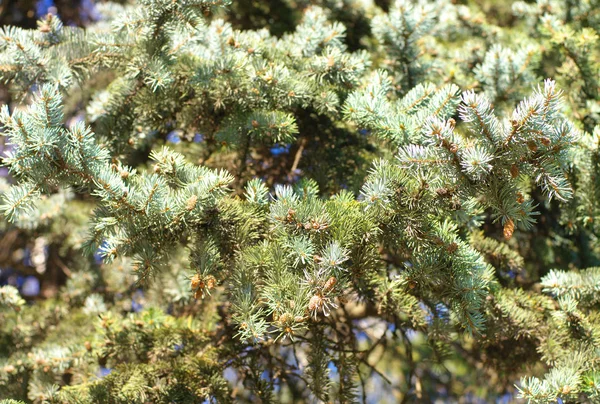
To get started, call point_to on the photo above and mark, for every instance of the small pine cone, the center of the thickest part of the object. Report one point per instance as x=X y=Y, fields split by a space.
x=514 y=171
x=509 y=228
x=195 y=282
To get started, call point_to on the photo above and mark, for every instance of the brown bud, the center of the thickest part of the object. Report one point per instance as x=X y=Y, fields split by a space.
x=509 y=228
x=9 y=368
x=285 y=318
x=453 y=148
x=545 y=141
x=88 y=346
x=531 y=145
x=124 y=174
x=157 y=169
x=198 y=294
x=315 y=302
x=210 y=282
x=452 y=247
x=520 y=198
x=412 y=284
x=330 y=61
x=131 y=141
x=452 y=123
x=191 y=202
x=514 y=171
x=329 y=285
x=299 y=319
x=290 y=215
x=255 y=124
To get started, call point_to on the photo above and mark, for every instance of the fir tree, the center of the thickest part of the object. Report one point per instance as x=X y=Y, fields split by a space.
x=228 y=211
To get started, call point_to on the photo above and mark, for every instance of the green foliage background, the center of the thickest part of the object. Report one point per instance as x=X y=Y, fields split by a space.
x=303 y=201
